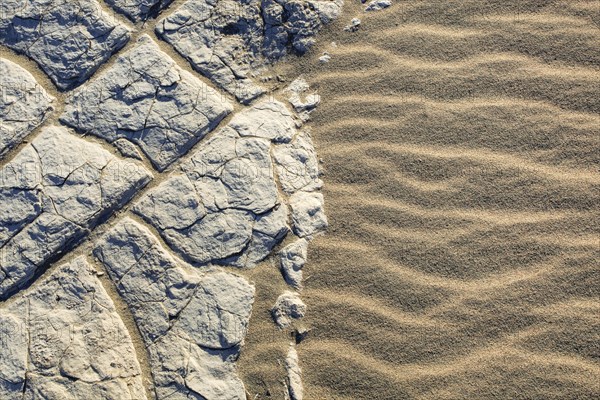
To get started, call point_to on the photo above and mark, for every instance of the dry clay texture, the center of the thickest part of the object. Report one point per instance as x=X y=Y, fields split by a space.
x=144 y=168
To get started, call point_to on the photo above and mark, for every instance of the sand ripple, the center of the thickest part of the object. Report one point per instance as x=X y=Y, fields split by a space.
x=460 y=149
x=460 y=146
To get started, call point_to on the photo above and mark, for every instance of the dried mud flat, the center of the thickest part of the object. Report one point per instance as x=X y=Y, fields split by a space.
x=161 y=202
x=150 y=162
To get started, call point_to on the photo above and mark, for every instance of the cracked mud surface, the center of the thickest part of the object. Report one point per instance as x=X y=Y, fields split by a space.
x=24 y=105
x=147 y=99
x=228 y=40
x=54 y=191
x=192 y=324
x=68 y=39
x=134 y=198
x=64 y=340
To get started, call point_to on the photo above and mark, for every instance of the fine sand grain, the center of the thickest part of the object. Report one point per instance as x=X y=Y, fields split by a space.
x=460 y=148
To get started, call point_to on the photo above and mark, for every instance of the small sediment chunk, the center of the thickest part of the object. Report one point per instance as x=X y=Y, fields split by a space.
x=354 y=25
x=291 y=261
x=24 y=105
x=52 y=194
x=308 y=216
x=301 y=333
x=68 y=39
x=297 y=165
x=193 y=324
x=303 y=107
x=294 y=374
x=377 y=5
x=147 y=99
x=287 y=308
x=65 y=340
x=325 y=58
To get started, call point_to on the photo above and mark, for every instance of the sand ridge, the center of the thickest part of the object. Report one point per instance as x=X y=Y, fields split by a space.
x=459 y=142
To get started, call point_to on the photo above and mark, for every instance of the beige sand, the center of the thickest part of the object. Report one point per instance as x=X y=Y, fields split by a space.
x=460 y=146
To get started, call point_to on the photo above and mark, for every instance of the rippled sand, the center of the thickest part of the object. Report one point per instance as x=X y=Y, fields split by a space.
x=460 y=147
